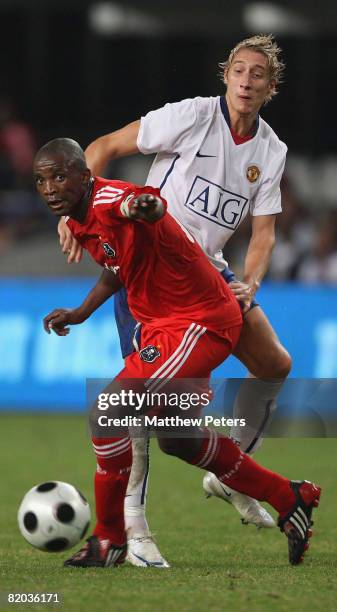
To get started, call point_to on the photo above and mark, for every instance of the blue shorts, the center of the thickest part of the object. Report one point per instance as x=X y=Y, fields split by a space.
x=126 y=324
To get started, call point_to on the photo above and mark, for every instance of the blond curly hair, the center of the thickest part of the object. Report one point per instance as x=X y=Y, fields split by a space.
x=262 y=43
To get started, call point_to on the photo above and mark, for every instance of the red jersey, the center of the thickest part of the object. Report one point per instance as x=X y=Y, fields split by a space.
x=167 y=276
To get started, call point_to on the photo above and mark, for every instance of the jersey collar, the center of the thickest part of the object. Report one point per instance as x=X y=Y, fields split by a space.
x=225 y=112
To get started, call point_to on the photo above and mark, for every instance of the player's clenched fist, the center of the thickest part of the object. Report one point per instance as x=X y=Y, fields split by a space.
x=147 y=207
x=58 y=319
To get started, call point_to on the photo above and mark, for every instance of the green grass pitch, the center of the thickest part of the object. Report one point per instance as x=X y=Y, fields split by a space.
x=217 y=564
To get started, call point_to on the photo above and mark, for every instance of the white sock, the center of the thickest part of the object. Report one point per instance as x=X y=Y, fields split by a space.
x=255 y=402
x=135 y=499
x=136 y=523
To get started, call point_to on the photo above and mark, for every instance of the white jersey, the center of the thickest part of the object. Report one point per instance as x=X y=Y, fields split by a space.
x=211 y=183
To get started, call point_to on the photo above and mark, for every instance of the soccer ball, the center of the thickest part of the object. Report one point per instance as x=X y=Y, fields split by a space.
x=53 y=516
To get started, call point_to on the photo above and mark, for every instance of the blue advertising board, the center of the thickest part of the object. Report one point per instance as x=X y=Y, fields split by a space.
x=47 y=372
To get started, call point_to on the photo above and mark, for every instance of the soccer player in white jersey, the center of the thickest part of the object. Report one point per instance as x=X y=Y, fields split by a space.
x=217 y=160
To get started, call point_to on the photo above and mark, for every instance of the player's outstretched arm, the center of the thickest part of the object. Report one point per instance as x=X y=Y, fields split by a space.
x=147 y=207
x=59 y=319
x=68 y=243
x=117 y=144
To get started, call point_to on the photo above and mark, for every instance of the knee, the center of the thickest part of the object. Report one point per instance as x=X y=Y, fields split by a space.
x=277 y=366
x=169 y=446
x=282 y=364
x=185 y=449
x=94 y=415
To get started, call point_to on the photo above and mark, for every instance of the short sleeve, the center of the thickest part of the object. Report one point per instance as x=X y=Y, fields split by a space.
x=164 y=130
x=267 y=200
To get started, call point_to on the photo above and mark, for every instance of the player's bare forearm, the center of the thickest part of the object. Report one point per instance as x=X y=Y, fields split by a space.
x=107 y=284
x=59 y=319
x=257 y=260
x=68 y=243
x=117 y=144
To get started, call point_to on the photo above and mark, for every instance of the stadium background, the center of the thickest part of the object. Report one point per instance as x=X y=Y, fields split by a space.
x=81 y=68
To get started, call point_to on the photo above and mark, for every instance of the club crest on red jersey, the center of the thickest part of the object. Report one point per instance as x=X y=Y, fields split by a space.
x=149 y=354
x=108 y=250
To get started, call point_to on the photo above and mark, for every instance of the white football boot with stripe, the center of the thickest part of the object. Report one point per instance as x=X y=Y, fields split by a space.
x=249 y=509
x=143 y=552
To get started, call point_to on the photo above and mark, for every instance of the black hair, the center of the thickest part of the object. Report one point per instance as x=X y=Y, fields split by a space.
x=67 y=147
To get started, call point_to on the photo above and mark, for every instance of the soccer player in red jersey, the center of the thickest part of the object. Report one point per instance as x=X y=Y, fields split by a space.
x=190 y=323
x=216 y=161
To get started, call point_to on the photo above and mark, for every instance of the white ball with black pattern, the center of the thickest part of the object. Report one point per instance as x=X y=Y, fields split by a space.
x=53 y=516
